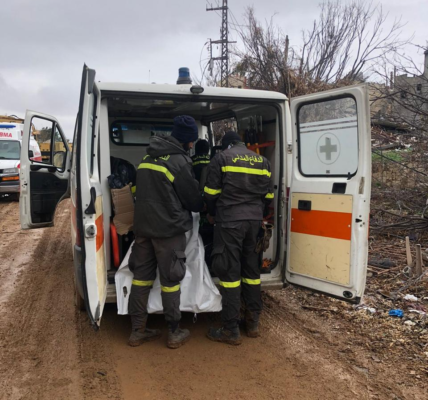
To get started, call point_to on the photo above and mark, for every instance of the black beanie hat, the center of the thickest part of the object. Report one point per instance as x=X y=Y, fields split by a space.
x=185 y=129
x=229 y=138
x=202 y=147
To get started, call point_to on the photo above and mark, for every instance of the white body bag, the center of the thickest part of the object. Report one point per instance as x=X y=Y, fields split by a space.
x=198 y=291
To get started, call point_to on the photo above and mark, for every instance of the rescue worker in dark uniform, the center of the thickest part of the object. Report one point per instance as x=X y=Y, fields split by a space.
x=238 y=188
x=201 y=159
x=167 y=193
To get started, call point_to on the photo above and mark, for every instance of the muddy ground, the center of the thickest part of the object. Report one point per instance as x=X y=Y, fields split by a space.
x=308 y=349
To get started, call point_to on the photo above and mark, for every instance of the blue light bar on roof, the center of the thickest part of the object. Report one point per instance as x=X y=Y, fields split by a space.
x=7 y=126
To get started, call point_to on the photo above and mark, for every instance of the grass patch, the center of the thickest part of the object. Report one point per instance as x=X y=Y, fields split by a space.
x=392 y=154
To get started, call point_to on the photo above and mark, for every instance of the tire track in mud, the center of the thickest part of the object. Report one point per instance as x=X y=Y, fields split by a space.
x=38 y=323
x=99 y=379
x=38 y=332
x=13 y=259
x=47 y=349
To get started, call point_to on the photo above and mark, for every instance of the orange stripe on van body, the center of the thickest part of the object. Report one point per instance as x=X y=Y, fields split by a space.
x=99 y=222
x=322 y=223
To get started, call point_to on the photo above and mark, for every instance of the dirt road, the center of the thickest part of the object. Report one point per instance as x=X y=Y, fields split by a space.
x=49 y=351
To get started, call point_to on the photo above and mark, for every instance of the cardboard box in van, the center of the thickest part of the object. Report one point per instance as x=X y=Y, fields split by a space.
x=123 y=205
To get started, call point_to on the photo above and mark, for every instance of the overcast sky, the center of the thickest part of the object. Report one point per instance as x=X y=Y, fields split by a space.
x=45 y=43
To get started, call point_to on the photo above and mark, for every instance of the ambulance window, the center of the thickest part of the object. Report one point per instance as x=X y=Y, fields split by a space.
x=43 y=131
x=328 y=137
x=9 y=150
x=137 y=133
x=219 y=128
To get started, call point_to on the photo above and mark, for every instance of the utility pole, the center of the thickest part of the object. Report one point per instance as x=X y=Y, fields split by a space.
x=224 y=41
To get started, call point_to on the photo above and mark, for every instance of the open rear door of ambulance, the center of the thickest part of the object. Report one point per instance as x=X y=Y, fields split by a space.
x=43 y=175
x=329 y=200
x=87 y=203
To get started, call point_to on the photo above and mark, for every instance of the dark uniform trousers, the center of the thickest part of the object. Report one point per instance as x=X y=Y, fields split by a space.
x=236 y=263
x=147 y=254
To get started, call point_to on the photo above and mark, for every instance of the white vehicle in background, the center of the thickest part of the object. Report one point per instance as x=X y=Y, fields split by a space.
x=318 y=145
x=11 y=131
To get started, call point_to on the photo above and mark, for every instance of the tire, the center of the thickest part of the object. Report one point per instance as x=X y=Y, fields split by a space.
x=78 y=301
x=14 y=196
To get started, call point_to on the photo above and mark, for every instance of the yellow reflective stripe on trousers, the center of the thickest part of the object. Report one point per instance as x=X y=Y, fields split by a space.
x=230 y=285
x=213 y=192
x=251 y=281
x=142 y=283
x=168 y=289
x=269 y=196
x=158 y=168
x=245 y=170
x=201 y=162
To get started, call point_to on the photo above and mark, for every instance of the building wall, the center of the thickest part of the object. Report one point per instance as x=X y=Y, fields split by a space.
x=410 y=95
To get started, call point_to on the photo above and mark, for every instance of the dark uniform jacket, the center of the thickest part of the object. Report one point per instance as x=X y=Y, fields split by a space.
x=239 y=185
x=167 y=191
x=200 y=162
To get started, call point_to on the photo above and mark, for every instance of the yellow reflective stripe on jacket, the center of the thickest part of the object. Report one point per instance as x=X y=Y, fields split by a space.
x=155 y=167
x=251 y=281
x=201 y=162
x=142 y=283
x=230 y=285
x=269 y=196
x=168 y=289
x=133 y=189
x=212 y=191
x=245 y=170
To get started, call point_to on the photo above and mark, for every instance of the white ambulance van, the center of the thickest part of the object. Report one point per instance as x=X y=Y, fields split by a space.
x=11 y=131
x=318 y=146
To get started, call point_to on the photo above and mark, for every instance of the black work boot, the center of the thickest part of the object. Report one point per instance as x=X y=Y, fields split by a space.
x=252 y=324
x=224 y=335
x=176 y=336
x=142 y=335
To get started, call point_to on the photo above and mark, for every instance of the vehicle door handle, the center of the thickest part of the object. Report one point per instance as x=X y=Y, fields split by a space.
x=91 y=207
x=305 y=205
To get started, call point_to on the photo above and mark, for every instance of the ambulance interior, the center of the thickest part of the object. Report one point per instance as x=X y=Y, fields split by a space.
x=133 y=120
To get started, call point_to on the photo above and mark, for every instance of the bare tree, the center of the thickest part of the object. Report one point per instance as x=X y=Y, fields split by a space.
x=264 y=58
x=346 y=41
x=342 y=47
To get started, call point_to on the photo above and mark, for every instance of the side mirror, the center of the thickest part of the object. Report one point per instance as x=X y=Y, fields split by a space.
x=59 y=159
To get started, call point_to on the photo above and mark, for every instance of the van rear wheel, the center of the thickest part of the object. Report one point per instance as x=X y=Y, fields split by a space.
x=78 y=301
x=14 y=196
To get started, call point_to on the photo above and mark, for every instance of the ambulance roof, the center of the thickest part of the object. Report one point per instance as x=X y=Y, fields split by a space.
x=165 y=89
